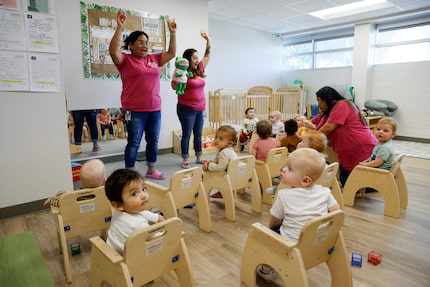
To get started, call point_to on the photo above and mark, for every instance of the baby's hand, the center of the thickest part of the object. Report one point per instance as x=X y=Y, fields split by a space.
x=205 y=165
x=161 y=218
x=309 y=124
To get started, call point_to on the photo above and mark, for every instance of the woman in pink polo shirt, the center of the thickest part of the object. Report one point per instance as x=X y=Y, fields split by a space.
x=341 y=121
x=140 y=96
x=192 y=104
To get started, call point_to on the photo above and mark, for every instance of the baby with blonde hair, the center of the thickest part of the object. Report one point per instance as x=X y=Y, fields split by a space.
x=383 y=153
x=314 y=139
x=301 y=125
x=92 y=174
x=303 y=201
x=277 y=125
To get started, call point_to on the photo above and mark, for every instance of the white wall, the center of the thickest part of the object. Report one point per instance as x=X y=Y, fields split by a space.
x=34 y=151
x=243 y=58
x=408 y=85
x=316 y=79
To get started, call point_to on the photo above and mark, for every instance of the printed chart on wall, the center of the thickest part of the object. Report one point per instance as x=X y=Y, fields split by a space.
x=98 y=26
x=29 y=48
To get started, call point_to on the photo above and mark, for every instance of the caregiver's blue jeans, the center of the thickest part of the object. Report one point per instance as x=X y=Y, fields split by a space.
x=79 y=116
x=191 y=121
x=148 y=122
x=343 y=175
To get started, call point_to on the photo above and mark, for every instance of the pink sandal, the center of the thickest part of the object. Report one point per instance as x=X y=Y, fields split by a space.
x=185 y=165
x=156 y=174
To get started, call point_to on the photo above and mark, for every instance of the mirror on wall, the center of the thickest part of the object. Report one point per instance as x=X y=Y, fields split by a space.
x=111 y=133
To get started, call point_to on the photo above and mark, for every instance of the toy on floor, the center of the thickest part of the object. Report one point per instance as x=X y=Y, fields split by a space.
x=75 y=248
x=356 y=259
x=374 y=257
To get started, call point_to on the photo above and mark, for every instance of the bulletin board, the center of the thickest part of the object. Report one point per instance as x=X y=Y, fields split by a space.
x=98 y=25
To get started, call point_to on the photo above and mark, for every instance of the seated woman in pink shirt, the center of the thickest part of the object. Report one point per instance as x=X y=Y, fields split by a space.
x=346 y=129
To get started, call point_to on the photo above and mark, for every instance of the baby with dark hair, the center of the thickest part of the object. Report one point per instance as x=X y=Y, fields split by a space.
x=291 y=140
x=125 y=189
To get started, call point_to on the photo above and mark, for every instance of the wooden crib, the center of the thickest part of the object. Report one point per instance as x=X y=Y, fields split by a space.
x=227 y=106
x=288 y=100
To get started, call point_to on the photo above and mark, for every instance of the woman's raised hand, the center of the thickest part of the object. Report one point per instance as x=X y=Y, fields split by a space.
x=121 y=19
x=204 y=34
x=172 y=25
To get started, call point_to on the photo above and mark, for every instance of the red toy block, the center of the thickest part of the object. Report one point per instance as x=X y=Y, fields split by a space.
x=76 y=167
x=374 y=257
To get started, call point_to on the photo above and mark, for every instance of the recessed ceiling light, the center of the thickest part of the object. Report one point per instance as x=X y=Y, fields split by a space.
x=351 y=9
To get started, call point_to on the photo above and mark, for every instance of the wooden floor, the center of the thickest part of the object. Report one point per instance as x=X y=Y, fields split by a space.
x=216 y=256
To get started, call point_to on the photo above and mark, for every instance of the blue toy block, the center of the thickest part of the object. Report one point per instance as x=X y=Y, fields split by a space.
x=356 y=259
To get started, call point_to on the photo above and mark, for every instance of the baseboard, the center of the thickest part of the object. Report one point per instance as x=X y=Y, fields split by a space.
x=109 y=158
x=411 y=139
x=22 y=209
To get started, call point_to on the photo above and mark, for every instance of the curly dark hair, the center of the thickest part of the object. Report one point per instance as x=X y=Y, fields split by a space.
x=291 y=127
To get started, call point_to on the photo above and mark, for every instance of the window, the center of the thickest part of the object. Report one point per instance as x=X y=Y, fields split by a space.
x=319 y=53
x=298 y=56
x=403 y=44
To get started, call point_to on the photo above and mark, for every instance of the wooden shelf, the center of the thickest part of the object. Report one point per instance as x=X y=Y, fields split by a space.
x=207 y=131
x=372 y=121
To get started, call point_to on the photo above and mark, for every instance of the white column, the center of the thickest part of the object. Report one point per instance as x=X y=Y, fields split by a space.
x=362 y=69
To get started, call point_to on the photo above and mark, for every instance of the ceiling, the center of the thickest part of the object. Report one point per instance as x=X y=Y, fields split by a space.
x=288 y=17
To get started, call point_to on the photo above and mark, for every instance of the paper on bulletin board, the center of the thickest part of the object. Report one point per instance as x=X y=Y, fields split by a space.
x=12 y=32
x=13 y=71
x=44 y=72
x=42 y=34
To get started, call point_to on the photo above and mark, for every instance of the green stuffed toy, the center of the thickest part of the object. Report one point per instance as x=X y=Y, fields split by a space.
x=180 y=75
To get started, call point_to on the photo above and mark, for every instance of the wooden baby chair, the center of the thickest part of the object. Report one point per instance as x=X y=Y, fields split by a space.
x=80 y=212
x=329 y=179
x=248 y=143
x=254 y=137
x=161 y=199
x=320 y=241
x=267 y=170
x=187 y=188
x=147 y=256
x=107 y=133
x=120 y=129
x=240 y=174
x=390 y=183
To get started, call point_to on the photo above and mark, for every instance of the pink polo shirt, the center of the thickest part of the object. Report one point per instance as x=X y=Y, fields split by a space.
x=140 y=82
x=194 y=94
x=351 y=140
